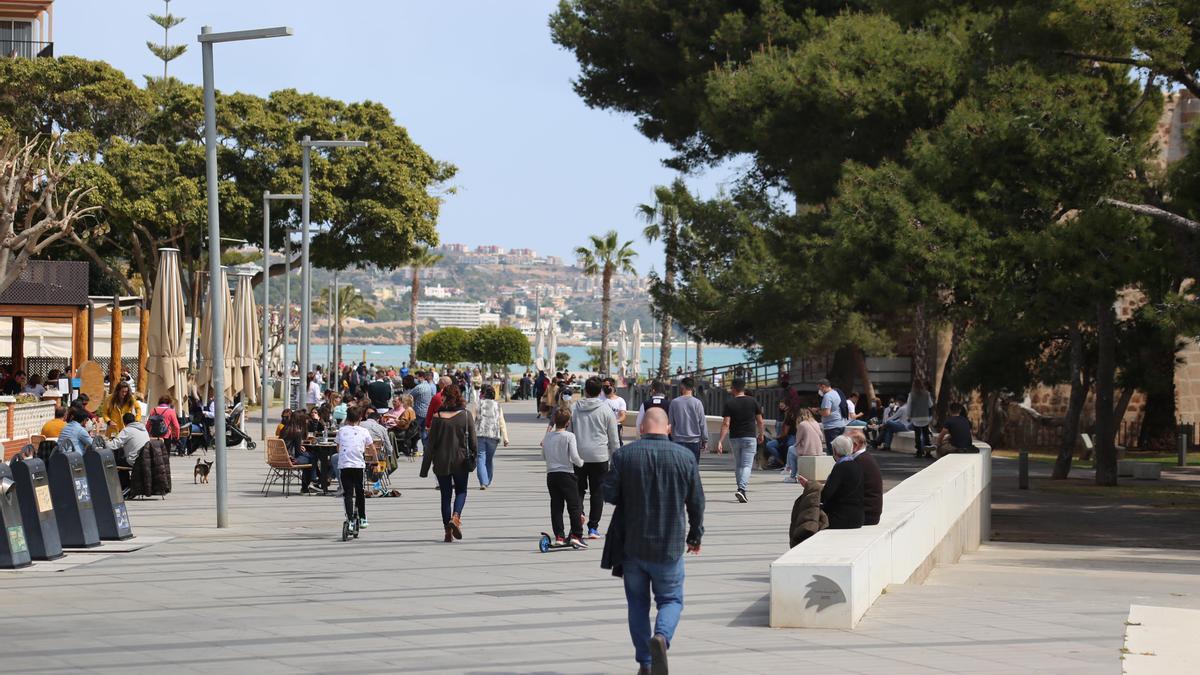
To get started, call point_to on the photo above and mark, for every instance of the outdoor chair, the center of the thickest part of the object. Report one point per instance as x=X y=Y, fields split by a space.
x=280 y=466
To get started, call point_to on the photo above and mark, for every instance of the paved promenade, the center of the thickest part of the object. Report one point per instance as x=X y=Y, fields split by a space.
x=280 y=593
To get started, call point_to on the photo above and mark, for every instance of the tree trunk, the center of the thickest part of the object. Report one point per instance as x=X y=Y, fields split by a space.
x=1122 y=406
x=946 y=390
x=1106 y=369
x=412 y=320
x=864 y=374
x=1079 y=391
x=670 y=241
x=699 y=354
x=605 y=302
x=920 y=358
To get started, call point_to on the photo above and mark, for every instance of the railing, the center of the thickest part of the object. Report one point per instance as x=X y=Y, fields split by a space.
x=26 y=49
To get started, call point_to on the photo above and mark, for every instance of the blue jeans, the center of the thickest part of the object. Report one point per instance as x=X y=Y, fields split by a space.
x=743 y=460
x=778 y=446
x=666 y=580
x=487 y=453
x=694 y=446
x=793 y=464
x=889 y=430
x=453 y=484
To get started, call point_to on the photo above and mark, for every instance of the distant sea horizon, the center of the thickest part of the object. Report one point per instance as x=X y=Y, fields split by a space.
x=397 y=355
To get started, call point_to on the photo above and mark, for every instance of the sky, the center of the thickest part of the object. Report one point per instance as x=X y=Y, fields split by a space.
x=476 y=83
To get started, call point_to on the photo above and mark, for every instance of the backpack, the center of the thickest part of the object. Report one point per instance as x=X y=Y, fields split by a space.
x=156 y=426
x=843 y=405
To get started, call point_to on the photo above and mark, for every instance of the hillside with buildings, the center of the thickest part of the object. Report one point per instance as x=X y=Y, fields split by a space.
x=481 y=285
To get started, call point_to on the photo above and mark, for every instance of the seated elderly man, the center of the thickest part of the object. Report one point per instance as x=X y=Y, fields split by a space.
x=842 y=496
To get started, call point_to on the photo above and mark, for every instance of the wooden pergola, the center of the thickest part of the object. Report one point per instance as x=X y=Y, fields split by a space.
x=52 y=291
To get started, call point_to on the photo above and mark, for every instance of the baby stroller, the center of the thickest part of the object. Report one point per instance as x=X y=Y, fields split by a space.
x=233 y=432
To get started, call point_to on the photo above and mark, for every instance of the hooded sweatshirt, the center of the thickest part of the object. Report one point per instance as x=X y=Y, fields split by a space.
x=595 y=427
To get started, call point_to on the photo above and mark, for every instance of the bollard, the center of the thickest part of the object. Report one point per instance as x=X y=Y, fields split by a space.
x=37 y=509
x=112 y=520
x=72 y=499
x=14 y=552
x=1182 y=440
x=1023 y=470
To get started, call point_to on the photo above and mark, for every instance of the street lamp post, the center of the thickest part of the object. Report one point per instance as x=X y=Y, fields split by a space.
x=306 y=270
x=266 y=400
x=207 y=39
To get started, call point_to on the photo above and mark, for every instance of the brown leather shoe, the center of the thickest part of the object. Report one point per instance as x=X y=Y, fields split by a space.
x=449 y=535
x=456 y=526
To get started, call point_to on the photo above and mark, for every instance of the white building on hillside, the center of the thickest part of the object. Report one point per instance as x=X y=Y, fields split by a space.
x=457 y=314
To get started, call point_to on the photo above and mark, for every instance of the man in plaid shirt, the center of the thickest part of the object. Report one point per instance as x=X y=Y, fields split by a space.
x=652 y=482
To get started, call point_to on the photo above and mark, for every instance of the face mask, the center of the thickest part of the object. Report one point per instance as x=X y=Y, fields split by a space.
x=607 y=391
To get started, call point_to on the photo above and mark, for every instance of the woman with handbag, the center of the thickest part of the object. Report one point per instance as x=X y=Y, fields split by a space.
x=451 y=452
x=491 y=431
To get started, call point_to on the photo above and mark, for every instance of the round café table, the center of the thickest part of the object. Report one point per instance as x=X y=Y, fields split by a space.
x=322 y=452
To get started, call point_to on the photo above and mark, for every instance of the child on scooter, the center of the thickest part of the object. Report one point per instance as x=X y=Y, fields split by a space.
x=562 y=456
x=352 y=442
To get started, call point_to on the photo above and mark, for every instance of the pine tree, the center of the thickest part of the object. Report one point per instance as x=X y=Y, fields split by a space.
x=166 y=51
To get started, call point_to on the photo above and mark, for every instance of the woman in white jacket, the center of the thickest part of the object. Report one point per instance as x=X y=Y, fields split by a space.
x=490 y=431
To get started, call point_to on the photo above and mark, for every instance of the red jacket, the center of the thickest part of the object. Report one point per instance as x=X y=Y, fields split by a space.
x=169 y=416
x=435 y=404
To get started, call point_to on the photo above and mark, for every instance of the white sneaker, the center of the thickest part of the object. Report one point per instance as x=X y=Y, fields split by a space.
x=785 y=471
x=790 y=479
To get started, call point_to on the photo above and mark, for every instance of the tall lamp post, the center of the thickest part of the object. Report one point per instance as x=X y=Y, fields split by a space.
x=207 y=39
x=268 y=197
x=306 y=270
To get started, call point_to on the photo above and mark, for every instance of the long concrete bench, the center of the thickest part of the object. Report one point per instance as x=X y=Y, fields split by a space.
x=931 y=518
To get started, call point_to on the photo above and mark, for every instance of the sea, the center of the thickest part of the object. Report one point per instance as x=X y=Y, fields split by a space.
x=396 y=355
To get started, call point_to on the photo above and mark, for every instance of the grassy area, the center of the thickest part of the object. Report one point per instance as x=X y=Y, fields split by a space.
x=1158 y=458
x=1170 y=495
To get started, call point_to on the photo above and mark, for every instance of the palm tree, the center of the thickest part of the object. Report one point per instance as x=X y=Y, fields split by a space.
x=663 y=222
x=350 y=304
x=605 y=257
x=422 y=260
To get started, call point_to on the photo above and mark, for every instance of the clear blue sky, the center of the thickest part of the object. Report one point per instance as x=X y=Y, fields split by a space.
x=477 y=83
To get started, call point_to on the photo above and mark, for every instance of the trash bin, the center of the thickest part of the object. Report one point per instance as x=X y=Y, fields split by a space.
x=112 y=520
x=14 y=552
x=37 y=509
x=72 y=497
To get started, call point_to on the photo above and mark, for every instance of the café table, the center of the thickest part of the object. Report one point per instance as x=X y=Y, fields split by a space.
x=322 y=452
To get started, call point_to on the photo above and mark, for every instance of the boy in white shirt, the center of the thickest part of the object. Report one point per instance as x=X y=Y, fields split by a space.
x=562 y=456
x=352 y=442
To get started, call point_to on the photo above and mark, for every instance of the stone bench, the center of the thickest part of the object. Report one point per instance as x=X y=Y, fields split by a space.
x=906 y=442
x=1128 y=468
x=931 y=518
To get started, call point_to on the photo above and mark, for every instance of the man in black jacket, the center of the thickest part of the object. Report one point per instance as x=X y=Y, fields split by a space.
x=842 y=496
x=872 y=477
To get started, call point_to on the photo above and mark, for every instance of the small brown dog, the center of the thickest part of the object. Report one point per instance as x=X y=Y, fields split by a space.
x=200 y=474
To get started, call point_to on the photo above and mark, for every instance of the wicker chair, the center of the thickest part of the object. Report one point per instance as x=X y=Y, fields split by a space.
x=280 y=466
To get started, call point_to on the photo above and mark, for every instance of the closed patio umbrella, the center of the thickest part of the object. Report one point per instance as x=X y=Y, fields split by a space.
x=635 y=359
x=204 y=376
x=622 y=349
x=552 y=350
x=167 y=358
x=539 y=350
x=247 y=344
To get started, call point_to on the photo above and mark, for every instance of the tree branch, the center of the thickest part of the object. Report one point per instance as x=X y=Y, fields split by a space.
x=1154 y=212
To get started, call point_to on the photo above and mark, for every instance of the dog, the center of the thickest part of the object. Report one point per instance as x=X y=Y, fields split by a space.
x=200 y=474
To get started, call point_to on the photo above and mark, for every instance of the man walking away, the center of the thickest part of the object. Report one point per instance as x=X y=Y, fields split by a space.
x=832 y=420
x=743 y=425
x=652 y=483
x=595 y=429
x=658 y=399
x=686 y=417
